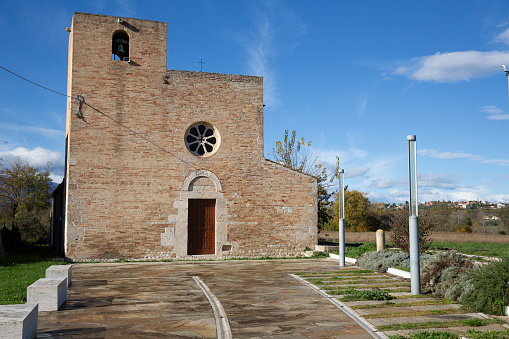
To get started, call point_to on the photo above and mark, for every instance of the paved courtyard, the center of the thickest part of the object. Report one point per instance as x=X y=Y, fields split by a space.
x=153 y=300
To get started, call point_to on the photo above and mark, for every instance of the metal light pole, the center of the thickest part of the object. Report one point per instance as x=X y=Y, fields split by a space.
x=341 y=214
x=413 y=221
x=507 y=74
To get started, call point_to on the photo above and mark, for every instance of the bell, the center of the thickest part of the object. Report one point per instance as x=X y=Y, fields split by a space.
x=120 y=50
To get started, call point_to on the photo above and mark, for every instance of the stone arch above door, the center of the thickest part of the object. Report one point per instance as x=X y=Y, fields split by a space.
x=193 y=180
x=200 y=184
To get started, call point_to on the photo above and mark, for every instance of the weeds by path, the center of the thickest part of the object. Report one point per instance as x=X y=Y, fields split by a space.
x=439 y=324
x=393 y=304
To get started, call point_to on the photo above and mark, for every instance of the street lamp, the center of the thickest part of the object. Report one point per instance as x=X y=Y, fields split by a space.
x=507 y=74
x=341 y=214
x=413 y=221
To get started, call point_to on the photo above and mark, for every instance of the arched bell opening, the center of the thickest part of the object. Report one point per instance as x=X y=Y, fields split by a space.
x=120 y=46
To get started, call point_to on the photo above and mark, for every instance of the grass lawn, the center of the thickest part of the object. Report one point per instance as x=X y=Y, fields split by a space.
x=17 y=272
x=474 y=248
x=353 y=250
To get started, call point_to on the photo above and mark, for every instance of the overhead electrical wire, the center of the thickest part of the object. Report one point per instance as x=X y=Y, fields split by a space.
x=99 y=111
x=36 y=84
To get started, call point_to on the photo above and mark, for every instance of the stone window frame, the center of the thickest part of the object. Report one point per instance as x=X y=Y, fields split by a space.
x=203 y=141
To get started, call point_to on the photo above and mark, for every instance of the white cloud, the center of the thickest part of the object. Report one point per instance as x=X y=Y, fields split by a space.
x=454 y=66
x=498 y=198
x=499 y=117
x=385 y=76
x=494 y=113
x=260 y=48
x=39 y=158
x=361 y=107
x=458 y=194
x=503 y=37
x=491 y=109
x=501 y=162
x=385 y=183
x=438 y=180
x=455 y=155
x=50 y=133
x=449 y=155
x=276 y=30
x=356 y=172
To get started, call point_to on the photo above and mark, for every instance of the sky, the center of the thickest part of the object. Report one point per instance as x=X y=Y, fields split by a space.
x=353 y=77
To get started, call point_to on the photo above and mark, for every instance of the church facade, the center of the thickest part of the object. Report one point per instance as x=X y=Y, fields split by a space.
x=170 y=164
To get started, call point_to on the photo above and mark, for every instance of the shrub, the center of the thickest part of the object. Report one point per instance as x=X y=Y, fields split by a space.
x=490 y=288
x=380 y=261
x=400 y=231
x=351 y=294
x=446 y=274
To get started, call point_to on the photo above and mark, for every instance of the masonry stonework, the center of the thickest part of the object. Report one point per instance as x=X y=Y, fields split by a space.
x=130 y=175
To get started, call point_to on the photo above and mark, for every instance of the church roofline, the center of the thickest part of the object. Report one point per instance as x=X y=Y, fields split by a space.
x=291 y=169
x=232 y=77
x=115 y=16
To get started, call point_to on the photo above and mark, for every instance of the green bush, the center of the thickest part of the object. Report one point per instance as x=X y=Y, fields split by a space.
x=490 y=288
x=446 y=275
x=380 y=261
x=352 y=294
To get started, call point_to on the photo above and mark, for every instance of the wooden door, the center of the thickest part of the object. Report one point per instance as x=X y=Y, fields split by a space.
x=201 y=225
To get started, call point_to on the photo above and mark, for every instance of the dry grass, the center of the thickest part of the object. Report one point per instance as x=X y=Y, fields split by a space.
x=351 y=237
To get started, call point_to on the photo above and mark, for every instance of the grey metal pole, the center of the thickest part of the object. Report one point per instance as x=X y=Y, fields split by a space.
x=507 y=74
x=341 y=221
x=413 y=221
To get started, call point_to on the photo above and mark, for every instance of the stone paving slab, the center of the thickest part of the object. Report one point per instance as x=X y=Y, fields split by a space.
x=402 y=305
x=406 y=309
x=376 y=302
x=152 y=300
x=422 y=319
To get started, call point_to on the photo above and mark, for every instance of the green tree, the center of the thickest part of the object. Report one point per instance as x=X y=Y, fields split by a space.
x=25 y=194
x=296 y=154
x=357 y=216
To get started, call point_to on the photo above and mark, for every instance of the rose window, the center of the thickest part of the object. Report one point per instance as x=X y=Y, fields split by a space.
x=202 y=139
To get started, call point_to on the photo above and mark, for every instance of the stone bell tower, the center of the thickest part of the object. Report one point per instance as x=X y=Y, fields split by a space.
x=113 y=64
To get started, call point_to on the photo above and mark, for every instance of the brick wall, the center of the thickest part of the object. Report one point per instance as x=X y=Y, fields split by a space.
x=126 y=194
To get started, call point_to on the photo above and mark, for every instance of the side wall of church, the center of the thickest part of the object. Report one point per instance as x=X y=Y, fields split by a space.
x=127 y=161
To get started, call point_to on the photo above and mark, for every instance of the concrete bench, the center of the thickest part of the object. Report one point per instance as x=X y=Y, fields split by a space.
x=18 y=321
x=49 y=293
x=60 y=271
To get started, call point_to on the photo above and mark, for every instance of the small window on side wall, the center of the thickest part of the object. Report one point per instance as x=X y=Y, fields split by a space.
x=120 y=46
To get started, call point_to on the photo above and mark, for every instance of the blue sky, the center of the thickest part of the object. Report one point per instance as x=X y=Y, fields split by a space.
x=354 y=77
